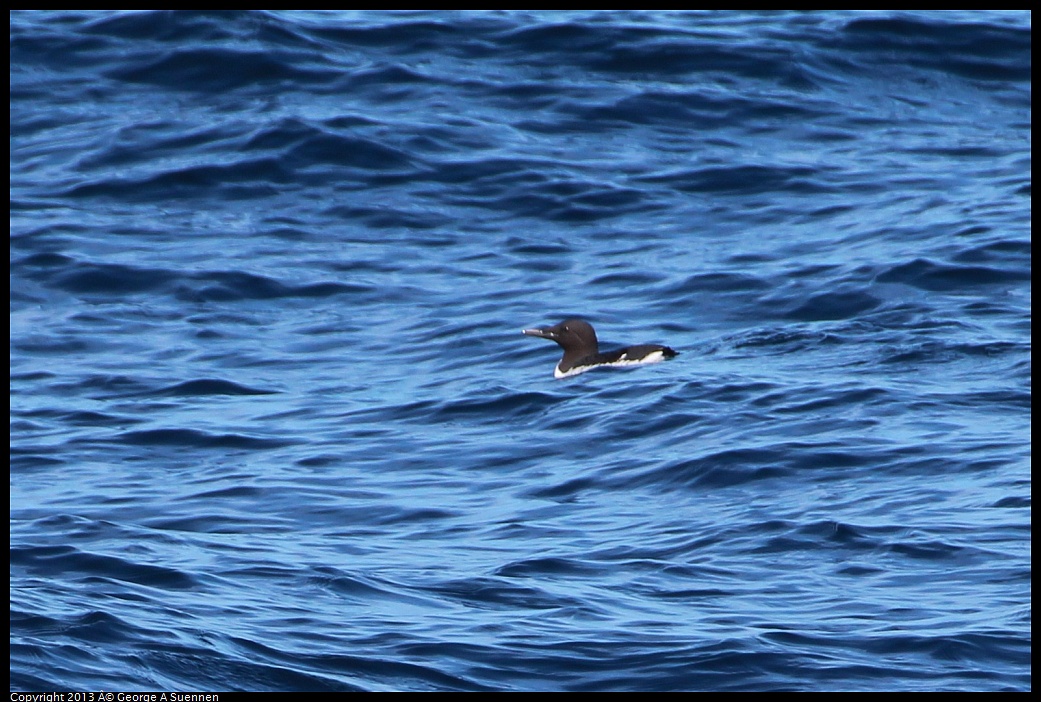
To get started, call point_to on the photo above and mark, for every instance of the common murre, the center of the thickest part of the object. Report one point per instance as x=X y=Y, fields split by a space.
x=582 y=353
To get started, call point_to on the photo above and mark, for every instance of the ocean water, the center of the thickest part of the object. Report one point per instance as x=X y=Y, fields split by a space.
x=274 y=425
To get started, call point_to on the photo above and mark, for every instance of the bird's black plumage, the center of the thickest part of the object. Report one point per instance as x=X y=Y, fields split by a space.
x=582 y=351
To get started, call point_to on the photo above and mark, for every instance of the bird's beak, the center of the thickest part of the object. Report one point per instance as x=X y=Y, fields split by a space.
x=541 y=333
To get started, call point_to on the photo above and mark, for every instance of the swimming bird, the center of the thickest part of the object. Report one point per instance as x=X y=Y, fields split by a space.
x=582 y=352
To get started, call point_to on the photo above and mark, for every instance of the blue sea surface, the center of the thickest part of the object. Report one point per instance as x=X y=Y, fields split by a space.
x=274 y=425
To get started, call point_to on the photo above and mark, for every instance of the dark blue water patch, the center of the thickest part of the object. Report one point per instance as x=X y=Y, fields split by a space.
x=501 y=594
x=723 y=469
x=243 y=179
x=323 y=460
x=627 y=279
x=846 y=535
x=565 y=491
x=653 y=420
x=720 y=283
x=210 y=523
x=588 y=666
x=346 y=151
x=506 y=405
x=352 y=586
x=813 y=400
x=173 y=27
x=1008 y=252
x=51 y=47
x=933 y=351
x=386 y=83
x=196 y=439
x=557 y=199
x=973 y=50
x=961 y=152
x=409 y=35
x=1013 y=503
x=637 y=50
x=942 y=277
x=209 y=386
x=575 y=38
x=846 y=539
x=288 y=133
x=387 y=217
x=835 y=305
x=928 y=550
x=31 y=458
x=99 y=628
x=210 y=70
x=103 y=386
x=690 y=56
x=773 y=341
x=87 y=418
x=144 y=144
x=229 y=286
x=51 y=561
x=32 y=376
x=390 y=515
x=501 y=406
x=44 y=346
x=525 y=247
x=674 y=110
x=112 y=278
x=550 y=567
x=1008 y=399
x=225 y=493
x=743 y=179
x=376 y=672
x=487 y=176
x=44 y=260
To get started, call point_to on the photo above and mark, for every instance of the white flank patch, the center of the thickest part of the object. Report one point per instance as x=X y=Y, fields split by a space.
x=557 y=373
x=653 y=357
